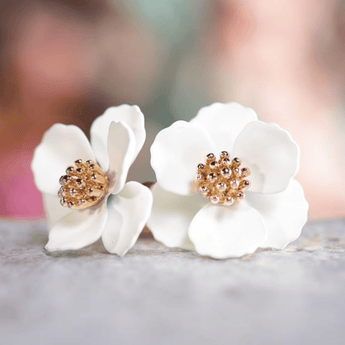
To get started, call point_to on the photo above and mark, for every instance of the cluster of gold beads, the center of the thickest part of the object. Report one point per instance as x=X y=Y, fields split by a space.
x=222 y=181
x=83 y=186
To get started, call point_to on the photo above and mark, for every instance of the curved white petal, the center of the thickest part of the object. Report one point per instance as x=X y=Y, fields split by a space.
x=224 y=122
x=60 y=147
x=171 y=215
x=131 y=116
x=128 y=214
x=121 y=146
x=271 y=155
x=53 y=209
x=78 y=229
x=225 y=232
x=175 y=154
x=284 y=214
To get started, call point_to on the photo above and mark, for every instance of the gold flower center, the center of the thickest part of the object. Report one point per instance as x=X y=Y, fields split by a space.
x=83 y=186
x=222 y=181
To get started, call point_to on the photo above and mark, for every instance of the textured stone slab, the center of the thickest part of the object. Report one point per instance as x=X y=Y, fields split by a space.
x=155 y=295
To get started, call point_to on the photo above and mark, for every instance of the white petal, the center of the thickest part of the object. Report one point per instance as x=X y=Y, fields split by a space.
x=60 y=147
x=224 y=122
x=271 y=155
x=78 y=229
x=284 y=214
x=121 y=146
x=53 y=209
x=131 y=115
x=128 y=214
x=171 y=216
x=224 y=232
x=175 y=154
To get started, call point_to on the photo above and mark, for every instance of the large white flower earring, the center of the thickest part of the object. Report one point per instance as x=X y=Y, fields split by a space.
x=213 y=204
x=84 y=187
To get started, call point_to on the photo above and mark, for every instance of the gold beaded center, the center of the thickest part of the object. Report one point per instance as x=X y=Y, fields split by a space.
x=83 y=186
x=222 y=181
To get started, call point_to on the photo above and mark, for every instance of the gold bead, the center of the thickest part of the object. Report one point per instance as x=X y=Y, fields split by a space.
x=240 y=196
x=236 y=173
x=212 y=177
x=236 y=162
x=72 y=191
x=214 y=164
x=245 y=172
x=244 y=184
x=226 y=172
x=214 y=199
x=60 y=192
x=229 y=201
x=78 y=182
x=64 y=179
x=203 y=189
x=234 y=184
x=221 y=186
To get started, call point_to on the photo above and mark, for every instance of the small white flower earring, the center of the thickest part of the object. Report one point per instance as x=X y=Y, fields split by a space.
x=213 y=205
x=92 y=200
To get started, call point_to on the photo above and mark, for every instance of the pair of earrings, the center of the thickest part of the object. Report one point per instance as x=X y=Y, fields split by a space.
x=200 y=201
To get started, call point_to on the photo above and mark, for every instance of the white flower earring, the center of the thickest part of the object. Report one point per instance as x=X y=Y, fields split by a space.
x=210 y=203
x=92 y=200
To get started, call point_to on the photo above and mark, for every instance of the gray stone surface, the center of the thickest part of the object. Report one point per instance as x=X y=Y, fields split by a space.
x=156 y=295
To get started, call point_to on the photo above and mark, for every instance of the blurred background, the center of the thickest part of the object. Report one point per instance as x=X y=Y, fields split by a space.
x=68 y=60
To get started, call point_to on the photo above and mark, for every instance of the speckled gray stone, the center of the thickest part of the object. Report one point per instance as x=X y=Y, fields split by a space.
x=155 y=295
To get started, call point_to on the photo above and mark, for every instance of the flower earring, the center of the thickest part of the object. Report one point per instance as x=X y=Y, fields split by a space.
x=215 y=205
x=90 y=199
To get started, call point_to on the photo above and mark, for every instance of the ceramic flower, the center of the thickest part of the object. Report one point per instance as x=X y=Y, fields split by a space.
x=225 y=184
x=84 y=187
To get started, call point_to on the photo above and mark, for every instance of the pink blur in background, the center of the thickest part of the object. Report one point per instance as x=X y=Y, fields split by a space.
x=67 y=61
